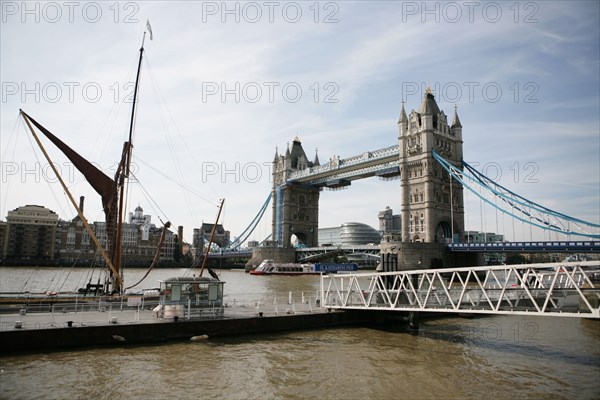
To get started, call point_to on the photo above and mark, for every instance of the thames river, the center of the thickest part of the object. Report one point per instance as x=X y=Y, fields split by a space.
x=502 y=357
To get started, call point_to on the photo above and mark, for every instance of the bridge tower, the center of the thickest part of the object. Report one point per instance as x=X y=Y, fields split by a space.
x=295 y=206
x=432 y=206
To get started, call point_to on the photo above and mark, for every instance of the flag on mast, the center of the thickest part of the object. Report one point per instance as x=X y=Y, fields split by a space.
x=149 y=28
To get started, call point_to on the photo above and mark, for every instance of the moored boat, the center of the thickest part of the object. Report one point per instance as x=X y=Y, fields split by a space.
x=269 y=267
x=113 y=193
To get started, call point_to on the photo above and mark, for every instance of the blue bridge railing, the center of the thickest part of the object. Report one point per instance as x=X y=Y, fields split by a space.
x=538 y=247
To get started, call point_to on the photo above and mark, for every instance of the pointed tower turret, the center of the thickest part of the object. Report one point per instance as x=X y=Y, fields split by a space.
x=429 y=105
x=316 y=160
x=429 y=111
x=287 y=158
x=456 y=130
x=297 y=155
x=455 y=121
x=403 y=121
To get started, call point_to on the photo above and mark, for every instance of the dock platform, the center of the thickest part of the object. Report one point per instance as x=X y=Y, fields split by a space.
x=60 y=330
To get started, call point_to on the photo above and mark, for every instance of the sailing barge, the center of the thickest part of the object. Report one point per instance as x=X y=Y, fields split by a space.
x=112 y=191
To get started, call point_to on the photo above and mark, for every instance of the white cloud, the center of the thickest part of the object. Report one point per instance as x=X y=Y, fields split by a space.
x=369 y=54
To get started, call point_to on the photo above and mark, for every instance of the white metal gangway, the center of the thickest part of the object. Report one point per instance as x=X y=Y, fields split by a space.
x=557 y=289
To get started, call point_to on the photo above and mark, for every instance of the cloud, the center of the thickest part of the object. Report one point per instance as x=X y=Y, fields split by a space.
x=211 y=142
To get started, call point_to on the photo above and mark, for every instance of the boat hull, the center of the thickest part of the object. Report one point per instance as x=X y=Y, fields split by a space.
x=254 y=272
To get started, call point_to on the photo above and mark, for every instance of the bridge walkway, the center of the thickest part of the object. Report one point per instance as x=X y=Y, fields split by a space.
x=557 y=289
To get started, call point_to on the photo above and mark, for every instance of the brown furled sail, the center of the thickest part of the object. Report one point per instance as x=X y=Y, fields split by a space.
x=101 y=183
x=106 y=187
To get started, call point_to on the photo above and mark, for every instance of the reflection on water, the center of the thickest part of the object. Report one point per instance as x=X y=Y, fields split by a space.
x=493 y=357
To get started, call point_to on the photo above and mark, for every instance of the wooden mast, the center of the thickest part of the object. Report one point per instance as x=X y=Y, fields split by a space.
x=212 y=236
x=126 y=162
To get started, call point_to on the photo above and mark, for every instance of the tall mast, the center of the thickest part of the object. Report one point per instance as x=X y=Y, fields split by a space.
x=124 y=173
x=212 y=236
x=135 y=90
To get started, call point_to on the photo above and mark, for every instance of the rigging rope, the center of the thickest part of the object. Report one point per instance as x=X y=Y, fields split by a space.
x=156 y=255
x=14 y=130
x=161 y=105
x=28 y=278
x=51 y=187
x=186 y=146
x=211 y=201
x=153 y=204
x=64 y=281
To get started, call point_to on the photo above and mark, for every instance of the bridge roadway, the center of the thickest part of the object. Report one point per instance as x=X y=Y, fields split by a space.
x=559 y=289
x=244 y=253
x=339 y=172
x=307 y=254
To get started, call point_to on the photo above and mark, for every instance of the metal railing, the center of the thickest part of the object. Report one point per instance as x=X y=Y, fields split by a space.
x=560 y=289
x=61 y=315
x=546 y=246
x=102 y=312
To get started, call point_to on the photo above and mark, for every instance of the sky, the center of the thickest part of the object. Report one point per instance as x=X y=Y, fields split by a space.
x=223 y=84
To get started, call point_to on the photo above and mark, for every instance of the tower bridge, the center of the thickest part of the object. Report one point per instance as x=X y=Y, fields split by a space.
x=431 y=204
x=428 y=162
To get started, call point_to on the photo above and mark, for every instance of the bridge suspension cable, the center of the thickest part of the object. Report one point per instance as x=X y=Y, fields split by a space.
x=515 y=205
x=251 y=227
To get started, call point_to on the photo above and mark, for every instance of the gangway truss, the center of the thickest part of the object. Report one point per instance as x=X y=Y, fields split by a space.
x=558 y=289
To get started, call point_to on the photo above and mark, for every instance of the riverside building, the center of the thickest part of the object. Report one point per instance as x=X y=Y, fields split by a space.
x=34 y=234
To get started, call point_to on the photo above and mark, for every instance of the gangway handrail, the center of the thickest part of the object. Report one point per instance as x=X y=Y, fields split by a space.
x=559 y=289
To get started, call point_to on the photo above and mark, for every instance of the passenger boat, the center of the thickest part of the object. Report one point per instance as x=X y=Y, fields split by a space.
x=269 y=267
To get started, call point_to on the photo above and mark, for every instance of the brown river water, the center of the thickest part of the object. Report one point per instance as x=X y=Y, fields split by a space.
x=501 y=357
